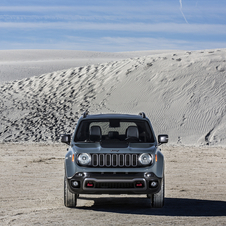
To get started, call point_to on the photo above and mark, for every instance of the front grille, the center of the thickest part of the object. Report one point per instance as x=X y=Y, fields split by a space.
x=112 y=185
x=114 y=160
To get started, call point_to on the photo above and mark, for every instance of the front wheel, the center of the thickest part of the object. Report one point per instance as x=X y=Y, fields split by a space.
x=158 y=198
x=70 y=199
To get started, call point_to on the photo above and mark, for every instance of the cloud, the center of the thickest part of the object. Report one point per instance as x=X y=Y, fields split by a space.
x=130 y=27
x=117 y=44
x=76 y=9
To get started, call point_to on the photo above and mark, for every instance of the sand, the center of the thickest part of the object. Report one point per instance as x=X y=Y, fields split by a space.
x=182 y=92
x=32 y=190
x=42 y=95
x=19 y=64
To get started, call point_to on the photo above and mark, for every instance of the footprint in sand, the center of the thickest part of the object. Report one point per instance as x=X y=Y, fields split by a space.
x=221 y=68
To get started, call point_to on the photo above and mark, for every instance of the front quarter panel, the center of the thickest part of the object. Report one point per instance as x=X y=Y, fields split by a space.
x=159 y=165
x=69 y=165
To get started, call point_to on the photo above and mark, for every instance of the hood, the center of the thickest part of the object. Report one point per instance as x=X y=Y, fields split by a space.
x=98 y=148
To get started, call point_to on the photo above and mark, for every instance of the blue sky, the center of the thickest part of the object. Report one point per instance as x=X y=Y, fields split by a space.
x=112 y=25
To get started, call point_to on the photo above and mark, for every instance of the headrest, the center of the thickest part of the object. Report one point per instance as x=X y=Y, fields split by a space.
x=95 y=133
x=132 y=131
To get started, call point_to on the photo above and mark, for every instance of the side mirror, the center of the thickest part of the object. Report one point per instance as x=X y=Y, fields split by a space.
x=163 y=138
x=66 y=138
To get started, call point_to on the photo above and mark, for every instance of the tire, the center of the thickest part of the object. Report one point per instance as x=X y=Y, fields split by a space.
x=158 y=198
x=70 y=199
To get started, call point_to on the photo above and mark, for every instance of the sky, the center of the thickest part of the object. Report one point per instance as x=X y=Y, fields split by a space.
x=112 y=25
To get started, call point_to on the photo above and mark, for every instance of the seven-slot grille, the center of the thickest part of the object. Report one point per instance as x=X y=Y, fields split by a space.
x=114 y=160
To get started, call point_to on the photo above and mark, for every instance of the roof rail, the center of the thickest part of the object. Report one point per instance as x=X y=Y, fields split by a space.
x=85 y=114
x=142 y=114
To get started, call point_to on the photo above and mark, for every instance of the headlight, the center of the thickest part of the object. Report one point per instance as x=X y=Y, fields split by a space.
x=84 y=159
x=145 y=159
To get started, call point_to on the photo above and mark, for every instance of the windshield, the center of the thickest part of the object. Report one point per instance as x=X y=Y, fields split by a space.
x=114 y=130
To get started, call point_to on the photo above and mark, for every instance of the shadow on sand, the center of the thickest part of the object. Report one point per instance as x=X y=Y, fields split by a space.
x=172 y=207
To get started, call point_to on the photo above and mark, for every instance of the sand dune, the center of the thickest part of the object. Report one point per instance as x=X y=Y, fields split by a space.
x=19 y=64
x=183 y=93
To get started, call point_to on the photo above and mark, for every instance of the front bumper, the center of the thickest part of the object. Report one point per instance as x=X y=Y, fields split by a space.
x=114 y=183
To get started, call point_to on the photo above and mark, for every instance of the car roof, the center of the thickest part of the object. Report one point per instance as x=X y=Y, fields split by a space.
x=114 y=116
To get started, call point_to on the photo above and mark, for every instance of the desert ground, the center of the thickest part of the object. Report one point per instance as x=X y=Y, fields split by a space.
x=32 y=190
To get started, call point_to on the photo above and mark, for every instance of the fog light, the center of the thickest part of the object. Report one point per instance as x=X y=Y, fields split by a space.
x=153 y=184
x=139 y=185
x=90 y=184
x=149 y=175
x=75 y=184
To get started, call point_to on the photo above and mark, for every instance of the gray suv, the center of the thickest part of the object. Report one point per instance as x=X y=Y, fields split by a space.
x=114 y=154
